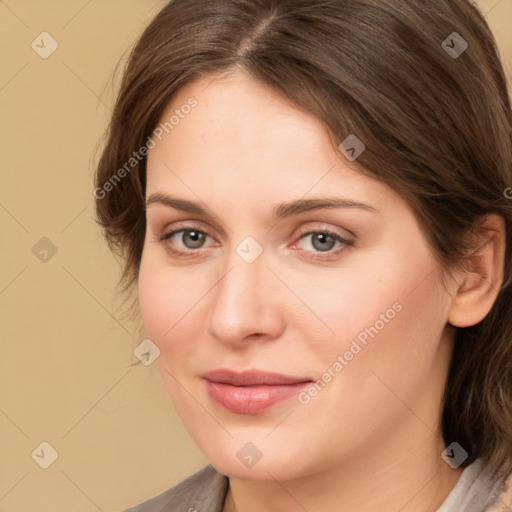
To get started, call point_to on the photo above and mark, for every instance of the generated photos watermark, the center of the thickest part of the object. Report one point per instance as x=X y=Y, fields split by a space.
x=355 y=348
x=138 y=156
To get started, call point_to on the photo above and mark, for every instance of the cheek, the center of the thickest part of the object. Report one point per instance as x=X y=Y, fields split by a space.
x=161 y=299
x=388 y=316
x=362 y=299
x=172 y=304
x=391 y=344
x=150 y=298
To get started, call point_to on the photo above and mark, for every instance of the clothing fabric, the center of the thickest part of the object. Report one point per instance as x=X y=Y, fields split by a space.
x=206 y=490
x=478 y=491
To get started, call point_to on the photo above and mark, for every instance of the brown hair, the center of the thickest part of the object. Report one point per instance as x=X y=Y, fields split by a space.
x=437 y=128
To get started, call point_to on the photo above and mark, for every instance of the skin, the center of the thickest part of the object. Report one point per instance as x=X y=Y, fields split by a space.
x=371 y=437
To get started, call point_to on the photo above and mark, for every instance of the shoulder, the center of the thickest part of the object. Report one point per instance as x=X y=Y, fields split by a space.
x=206 y=489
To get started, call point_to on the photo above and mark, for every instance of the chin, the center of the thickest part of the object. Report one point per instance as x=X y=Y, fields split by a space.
x=272 y=465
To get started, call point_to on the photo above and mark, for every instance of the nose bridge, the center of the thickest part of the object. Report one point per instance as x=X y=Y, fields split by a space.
x=241 y=303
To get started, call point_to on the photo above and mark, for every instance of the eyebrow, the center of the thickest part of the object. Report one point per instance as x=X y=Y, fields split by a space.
x=279 y=211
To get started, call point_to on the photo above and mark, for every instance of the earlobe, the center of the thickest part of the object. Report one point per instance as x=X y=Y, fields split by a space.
x=478 y=284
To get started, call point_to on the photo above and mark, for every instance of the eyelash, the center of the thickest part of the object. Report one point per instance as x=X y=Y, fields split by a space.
x=316 y=254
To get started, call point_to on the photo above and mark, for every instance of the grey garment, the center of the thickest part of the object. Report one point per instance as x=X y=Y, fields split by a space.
x=204 y=491
x=475 y=491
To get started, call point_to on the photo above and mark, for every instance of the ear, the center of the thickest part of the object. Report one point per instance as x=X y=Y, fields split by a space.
x=479 y=282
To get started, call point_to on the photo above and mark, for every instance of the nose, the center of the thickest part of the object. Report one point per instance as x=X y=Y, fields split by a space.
x=246 y=304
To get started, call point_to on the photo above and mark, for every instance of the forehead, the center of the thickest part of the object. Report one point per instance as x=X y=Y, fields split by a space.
x=243 y=138
x=237 y=113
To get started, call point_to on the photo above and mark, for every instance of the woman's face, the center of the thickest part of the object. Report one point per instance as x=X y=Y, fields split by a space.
x=255 y=278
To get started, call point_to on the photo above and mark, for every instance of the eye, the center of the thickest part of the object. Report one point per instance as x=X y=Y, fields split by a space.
x=193 y=239
x=325 y=241
x=190 y=238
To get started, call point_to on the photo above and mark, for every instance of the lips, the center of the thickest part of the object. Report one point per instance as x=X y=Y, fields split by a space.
x=251 y=391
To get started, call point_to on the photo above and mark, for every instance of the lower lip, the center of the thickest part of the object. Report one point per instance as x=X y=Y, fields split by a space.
x=251 y=399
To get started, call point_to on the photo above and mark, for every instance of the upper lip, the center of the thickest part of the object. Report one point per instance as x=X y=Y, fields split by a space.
x=251 y=378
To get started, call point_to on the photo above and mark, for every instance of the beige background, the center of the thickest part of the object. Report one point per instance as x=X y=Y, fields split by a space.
x=66 y=349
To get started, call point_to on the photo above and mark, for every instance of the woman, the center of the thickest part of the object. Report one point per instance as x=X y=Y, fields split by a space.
x=311 y=197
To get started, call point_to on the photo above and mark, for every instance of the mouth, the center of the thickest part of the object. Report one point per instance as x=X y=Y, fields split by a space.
x=252 y=391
